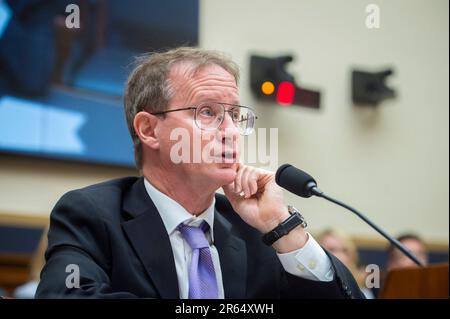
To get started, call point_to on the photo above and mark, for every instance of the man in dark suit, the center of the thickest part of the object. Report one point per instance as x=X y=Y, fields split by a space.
x=168 y=234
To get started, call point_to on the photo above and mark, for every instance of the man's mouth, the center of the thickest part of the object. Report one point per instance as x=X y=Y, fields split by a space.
x=229 y=156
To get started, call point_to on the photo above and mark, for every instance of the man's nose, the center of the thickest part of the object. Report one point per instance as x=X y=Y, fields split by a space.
x=229 y=125
x=228 y=130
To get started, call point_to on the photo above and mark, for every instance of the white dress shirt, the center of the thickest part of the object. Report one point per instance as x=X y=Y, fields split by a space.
x=309 y=262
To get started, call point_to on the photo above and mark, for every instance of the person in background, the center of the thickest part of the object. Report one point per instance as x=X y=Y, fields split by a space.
x=341 y=246
x=396 y=259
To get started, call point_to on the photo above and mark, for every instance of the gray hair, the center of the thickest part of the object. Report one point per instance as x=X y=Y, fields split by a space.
x=149 y=88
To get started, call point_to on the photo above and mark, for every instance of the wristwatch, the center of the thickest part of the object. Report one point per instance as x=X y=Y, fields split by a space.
x=285 y=227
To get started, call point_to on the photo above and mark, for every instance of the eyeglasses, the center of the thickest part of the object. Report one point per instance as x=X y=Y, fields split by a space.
x=210 y=115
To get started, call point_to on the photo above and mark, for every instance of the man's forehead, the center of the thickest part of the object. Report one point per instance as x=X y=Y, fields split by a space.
x=210 y=82
x=187 y=70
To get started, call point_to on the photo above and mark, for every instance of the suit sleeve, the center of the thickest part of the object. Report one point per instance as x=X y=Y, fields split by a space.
x=77 y=240
x=343 y=286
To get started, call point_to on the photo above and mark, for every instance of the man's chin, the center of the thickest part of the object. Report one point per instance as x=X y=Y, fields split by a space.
x=223 y=174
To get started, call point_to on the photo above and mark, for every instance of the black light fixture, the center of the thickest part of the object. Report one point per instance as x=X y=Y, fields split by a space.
x=369 y=88
x=270 y=81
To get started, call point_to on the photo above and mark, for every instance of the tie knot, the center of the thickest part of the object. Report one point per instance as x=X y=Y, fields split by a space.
x=195 y=236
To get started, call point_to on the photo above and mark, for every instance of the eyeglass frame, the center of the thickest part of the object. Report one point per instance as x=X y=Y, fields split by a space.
x=195 y=113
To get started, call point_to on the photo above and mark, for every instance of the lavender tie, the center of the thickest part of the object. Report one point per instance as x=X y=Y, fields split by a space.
x=202 y=277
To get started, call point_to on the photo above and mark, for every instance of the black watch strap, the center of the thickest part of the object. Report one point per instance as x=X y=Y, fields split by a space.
x=285 y=227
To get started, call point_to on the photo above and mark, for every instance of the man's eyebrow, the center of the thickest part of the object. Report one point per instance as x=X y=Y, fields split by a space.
x=234 y=103
x=231 y=105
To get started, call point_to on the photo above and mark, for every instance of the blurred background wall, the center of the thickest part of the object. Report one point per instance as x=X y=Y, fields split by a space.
x=391 y=161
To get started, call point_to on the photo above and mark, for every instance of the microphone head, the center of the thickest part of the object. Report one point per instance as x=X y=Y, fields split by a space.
x=295 y=180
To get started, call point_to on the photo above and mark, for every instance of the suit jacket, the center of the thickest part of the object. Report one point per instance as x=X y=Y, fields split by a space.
x=113 y=233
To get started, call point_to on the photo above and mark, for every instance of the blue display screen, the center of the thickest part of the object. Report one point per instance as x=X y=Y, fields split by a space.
x=81 y=75
x=66 y=126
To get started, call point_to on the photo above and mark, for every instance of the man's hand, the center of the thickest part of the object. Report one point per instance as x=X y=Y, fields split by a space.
x=258 y=200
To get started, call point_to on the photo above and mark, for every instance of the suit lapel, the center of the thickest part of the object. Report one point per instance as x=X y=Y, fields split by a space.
x=148 y=236
x=233 y=258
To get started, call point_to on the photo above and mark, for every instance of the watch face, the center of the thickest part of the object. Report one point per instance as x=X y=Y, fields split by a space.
x=292 y=210
x=293 y=222
x=285 y=227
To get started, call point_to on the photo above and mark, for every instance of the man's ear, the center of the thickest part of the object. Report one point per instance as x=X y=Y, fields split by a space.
x=145 y=126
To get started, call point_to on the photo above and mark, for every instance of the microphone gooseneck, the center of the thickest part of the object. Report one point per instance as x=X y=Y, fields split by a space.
x=302 y=184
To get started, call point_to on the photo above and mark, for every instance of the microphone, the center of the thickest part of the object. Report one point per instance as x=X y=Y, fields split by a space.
x=304 y=185
x=295 y=180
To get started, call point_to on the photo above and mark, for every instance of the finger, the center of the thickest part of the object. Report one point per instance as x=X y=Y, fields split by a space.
x=237 y=166
x=253 y=178
x=245 y=182
x=264 y=177
x=229 y=190
x=232 y=196
x=237 y=179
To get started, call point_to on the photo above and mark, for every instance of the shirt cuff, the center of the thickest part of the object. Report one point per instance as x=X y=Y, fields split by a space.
x=309 y=262
x=5 y=16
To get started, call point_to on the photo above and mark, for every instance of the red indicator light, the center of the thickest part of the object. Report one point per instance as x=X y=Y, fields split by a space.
x=285 y=93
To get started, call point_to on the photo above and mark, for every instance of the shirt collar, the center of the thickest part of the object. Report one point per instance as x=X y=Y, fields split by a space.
x=173 y=214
